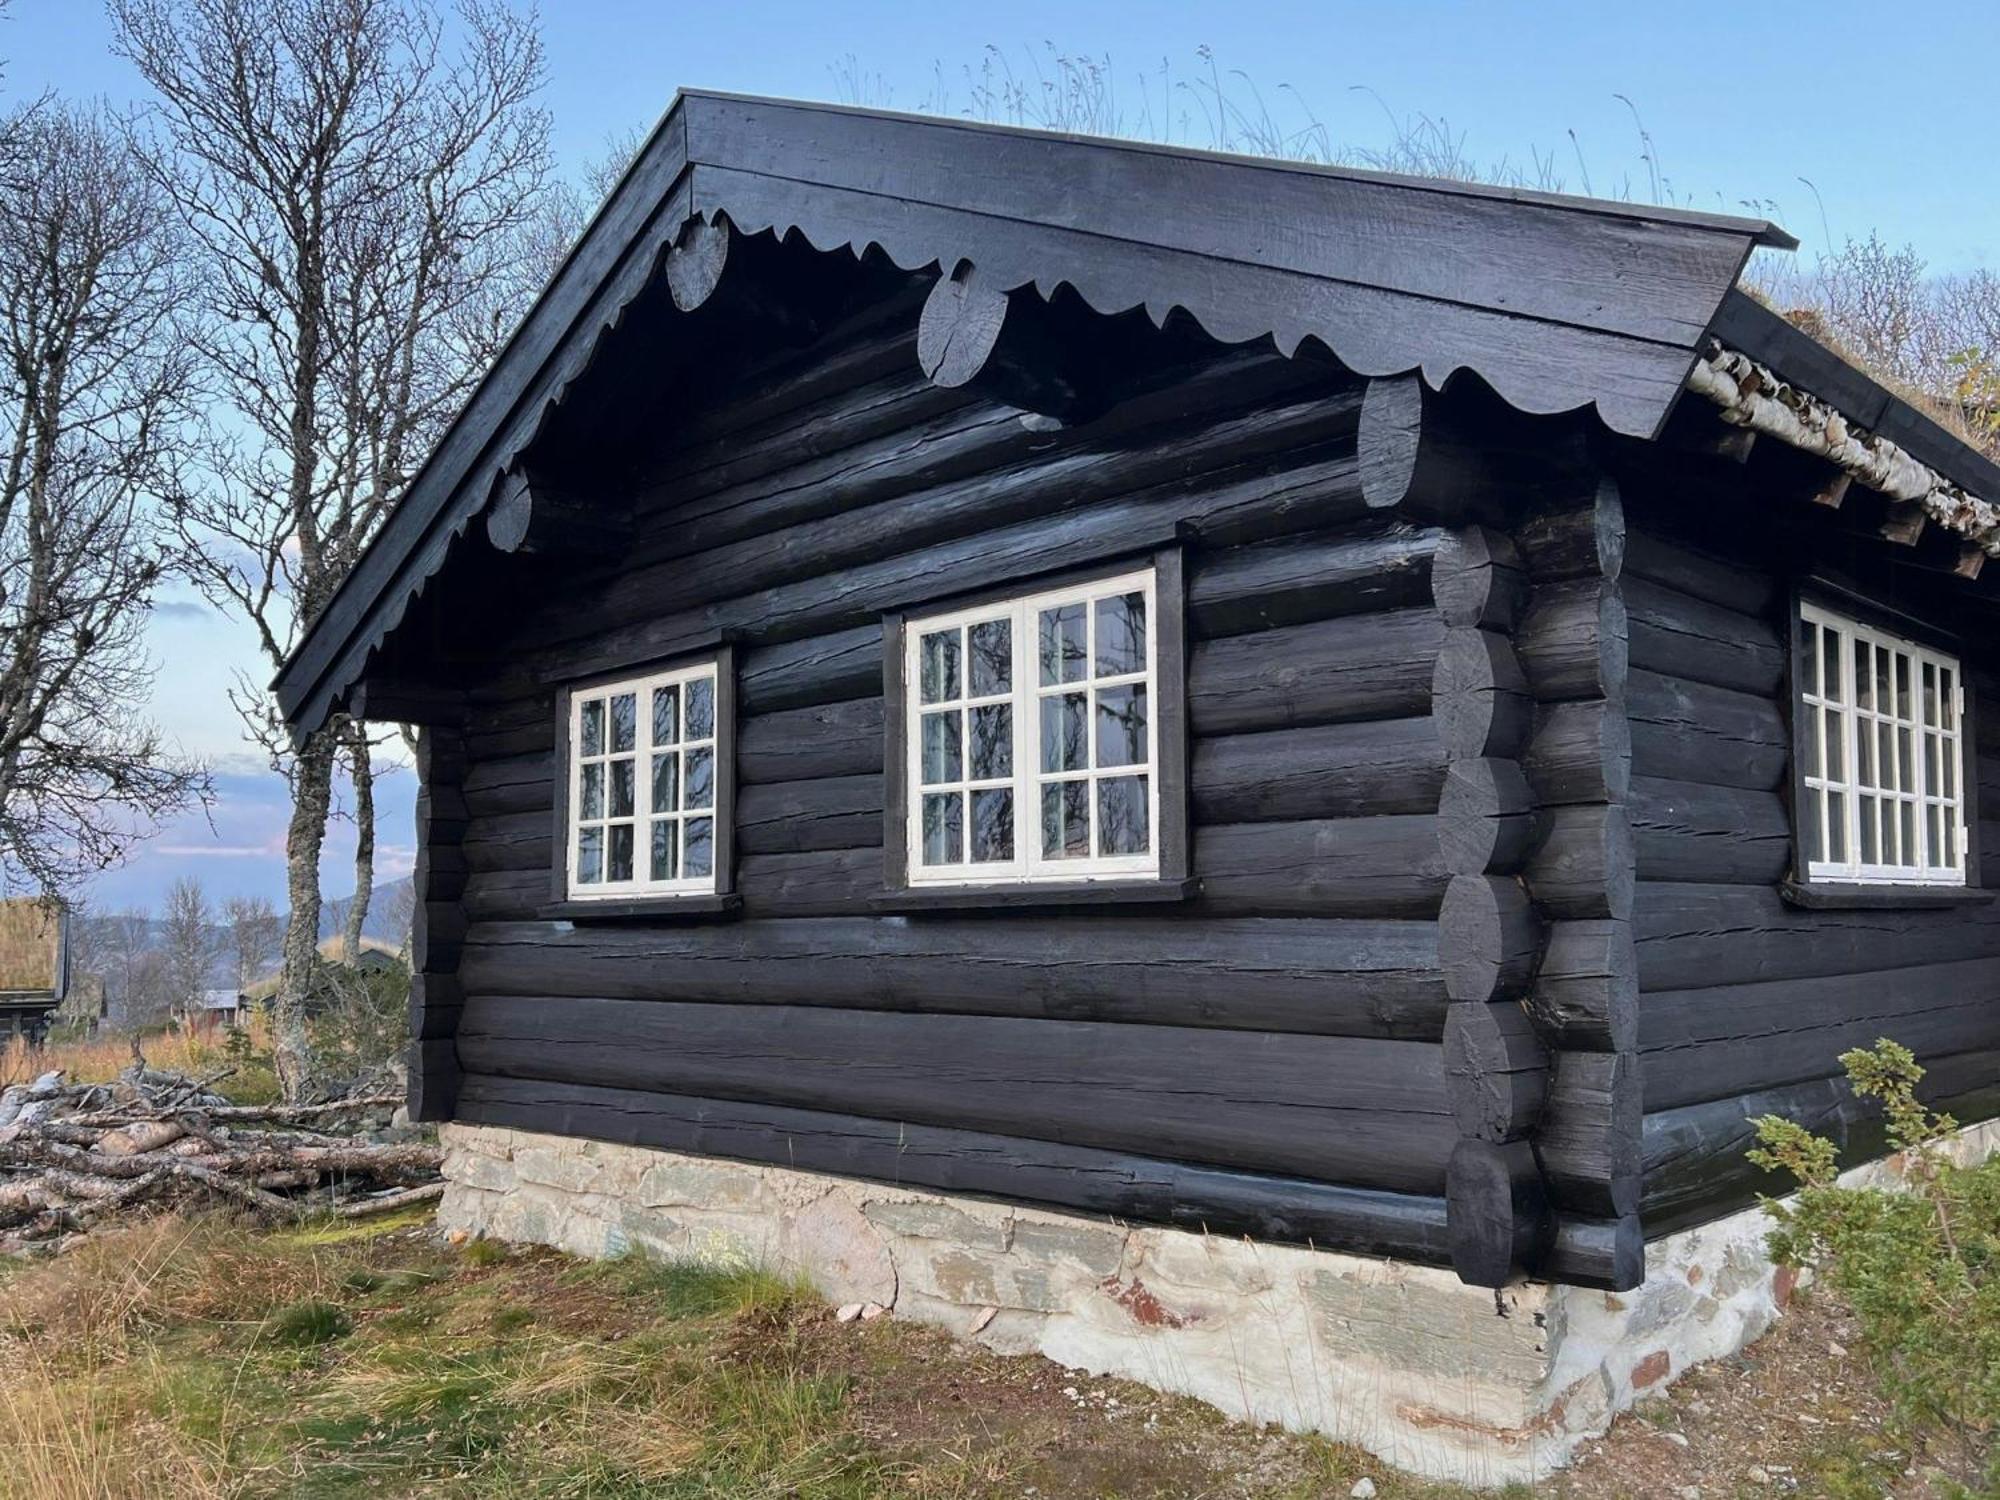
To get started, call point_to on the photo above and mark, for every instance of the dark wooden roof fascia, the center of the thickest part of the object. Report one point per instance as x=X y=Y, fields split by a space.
x=1557 y=303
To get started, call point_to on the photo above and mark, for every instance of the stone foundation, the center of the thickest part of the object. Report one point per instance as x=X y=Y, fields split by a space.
x=1436 y=1377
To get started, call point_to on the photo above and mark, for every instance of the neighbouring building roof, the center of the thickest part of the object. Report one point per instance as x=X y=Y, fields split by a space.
x=221 y=999
x=1557 y=303
x=34 y=950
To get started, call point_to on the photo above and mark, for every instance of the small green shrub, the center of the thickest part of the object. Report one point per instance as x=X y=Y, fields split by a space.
x=1920 y=1265
x=304 y=1324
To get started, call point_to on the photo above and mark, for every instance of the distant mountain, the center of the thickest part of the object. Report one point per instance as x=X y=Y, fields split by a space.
x=388 y=919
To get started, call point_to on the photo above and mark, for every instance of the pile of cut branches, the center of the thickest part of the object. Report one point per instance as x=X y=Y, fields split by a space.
x=74 y=1156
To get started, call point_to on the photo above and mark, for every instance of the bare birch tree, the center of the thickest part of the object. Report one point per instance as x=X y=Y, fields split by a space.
x=254 y=930
x=94 y=384
x=188 y=946
x=361 y=176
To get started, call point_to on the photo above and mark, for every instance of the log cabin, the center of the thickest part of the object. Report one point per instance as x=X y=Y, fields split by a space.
x=1376 y=713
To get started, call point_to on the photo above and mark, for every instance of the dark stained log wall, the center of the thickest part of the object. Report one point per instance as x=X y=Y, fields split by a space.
x=1746 y=1001
x=1267 y=1055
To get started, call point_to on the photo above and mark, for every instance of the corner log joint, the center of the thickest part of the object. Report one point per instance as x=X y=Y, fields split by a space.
x=527 y=515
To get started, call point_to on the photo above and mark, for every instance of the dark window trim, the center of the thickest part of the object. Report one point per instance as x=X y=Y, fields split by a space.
x=1830 y=591
x=722 y=901
x=1173 y=882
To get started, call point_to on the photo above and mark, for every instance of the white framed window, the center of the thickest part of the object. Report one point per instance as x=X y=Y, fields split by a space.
x=1882 y=756
x=644 y=773
x=1031 y=737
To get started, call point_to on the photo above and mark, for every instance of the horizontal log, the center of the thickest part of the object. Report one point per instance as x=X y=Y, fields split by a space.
x=1487 y=938
x=804 y=744
x=1375 y=979
x=1334 y=671
x=1496 y=1070
x=818 y=669
x=507 y=895
x=1477 y=581
x=1478 y=696
x=1583 y=865
x=1693 y=936
x=437 y=931
x=1689 y=638
x=1330 y=867
x=1301 y=579
x=792 y=586
x=1713 y=1043
x=1585 y=540
x=1484 y=820
x=1142 y=1188
x=1572 y=641
x=1586 y=991
x=1695 y=1169
x=513 y=841
x=1496 y=1210
x=1608 y=1253
x=1367 y=1113
x=1746 y=590
x=811 y=883
x=1589 y=1133
x=1579 y=752
x=1335 y=770
x=1683 y=830
x=507 y=784
x=1684 y=731
x=790 y=817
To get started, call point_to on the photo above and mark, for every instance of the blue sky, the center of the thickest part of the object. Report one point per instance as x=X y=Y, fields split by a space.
x=1888 y=112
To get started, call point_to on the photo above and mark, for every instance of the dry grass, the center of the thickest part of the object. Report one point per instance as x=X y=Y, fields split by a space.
x=176 y=1049
x=30 y=944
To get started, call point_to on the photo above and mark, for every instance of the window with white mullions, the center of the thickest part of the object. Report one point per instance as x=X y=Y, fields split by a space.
x=1033 y=746
x=1882 y=755
x=642 y=786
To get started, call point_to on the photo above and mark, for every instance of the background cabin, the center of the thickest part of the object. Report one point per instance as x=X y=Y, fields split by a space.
x=1225 y=693
x=34 y=965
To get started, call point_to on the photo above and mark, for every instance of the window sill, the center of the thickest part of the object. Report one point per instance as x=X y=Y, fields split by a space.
x=1835 y=897
x=645 y=909
x=1028 y=897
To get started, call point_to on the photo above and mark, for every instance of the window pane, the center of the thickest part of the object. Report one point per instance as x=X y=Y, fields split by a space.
x=1947 y=856
x=1064 y=656
x=942 y=760
x=621 y=788
x=1836 y=828
x=1815 y=848
x=1809 y=674
x=1903 y=666
x=992 y=825
x=593 y=727
x=1871 y=846
x=1885 y=692
x=624 y=721
x=1906 y=833
x=992 y=643
x=943 y=828
x=1864 y=674
x=666 y=715
x=1065 y=734
x=1930 y=702
x=700 y=848
x=701 y=709
x=1864 y=753
x=666 y=782
x=1830 y=673
x=1948 y=758
x=1809 y=751
x=619 y=863
x=1065 y=819
x=1947 y=708
x=1906 y=767
x=590 y=856
x=590 y=804
x=700 y=787
x=666 y=849
x=1121 y=635
x=938 y=666
x=1121 y=726
x=992 y=742
x=1123 y=817
x=1836 y=748
x=1934 y=830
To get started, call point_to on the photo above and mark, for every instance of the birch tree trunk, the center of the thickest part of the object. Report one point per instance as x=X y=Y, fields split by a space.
x=305 y=836
x=361 y=765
